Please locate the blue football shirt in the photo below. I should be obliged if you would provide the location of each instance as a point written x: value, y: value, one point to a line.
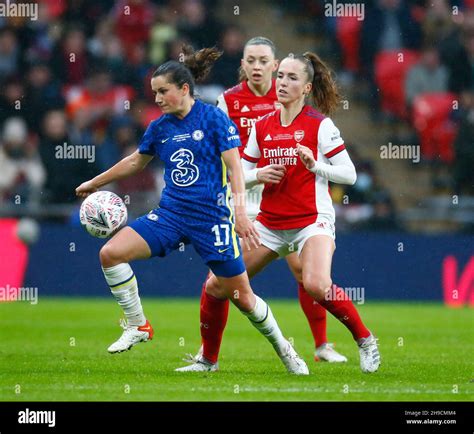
x: 195, y: 173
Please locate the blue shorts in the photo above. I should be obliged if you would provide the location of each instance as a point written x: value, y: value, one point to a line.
x: 215, y: 241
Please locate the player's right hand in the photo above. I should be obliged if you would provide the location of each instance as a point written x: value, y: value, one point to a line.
x: 271, y: 174
x: 86, y: 188
x: 247, y: 232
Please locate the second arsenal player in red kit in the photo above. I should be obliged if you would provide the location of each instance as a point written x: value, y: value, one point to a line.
x: 246, y: 103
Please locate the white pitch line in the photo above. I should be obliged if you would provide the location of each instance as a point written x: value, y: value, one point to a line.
x: 321, y: 390
x: 246, y: 389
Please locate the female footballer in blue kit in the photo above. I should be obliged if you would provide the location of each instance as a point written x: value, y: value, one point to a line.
x: 198, y: 143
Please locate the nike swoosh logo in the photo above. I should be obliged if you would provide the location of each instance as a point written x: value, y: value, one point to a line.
x: 143, y: 329
x: 163, y: 141
x: 223, y: 250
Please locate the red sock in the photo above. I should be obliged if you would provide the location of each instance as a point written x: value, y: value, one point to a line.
x: 213, y: 314
x: 344, y: 310
x: 316, y: 315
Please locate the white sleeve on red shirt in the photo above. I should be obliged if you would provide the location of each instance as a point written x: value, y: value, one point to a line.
x: 341, y: 169
x: 250, y: 159
x: 252, y: 151
x: 250, y: 173
x: 329, y: 138
x: 222, y: 104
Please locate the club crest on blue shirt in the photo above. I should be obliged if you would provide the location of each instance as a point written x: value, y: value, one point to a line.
x: 152, y: 217
x: 198, y: 135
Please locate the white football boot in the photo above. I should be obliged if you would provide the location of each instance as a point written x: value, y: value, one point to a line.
x: 131, y: 336
x: 199, y: 365
x: 327, y: 353
x: 293, y: 362
x: 189, y: 358
x: 369, y: 354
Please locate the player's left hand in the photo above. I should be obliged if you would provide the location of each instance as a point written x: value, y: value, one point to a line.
x: 246, y: 230
x: 306, y: 156
x: 86, y: 188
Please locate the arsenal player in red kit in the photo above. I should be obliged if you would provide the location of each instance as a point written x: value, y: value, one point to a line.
x: 305, y: 149
x: 246, y: 103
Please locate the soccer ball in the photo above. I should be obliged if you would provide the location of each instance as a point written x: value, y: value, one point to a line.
x: 103, y: 213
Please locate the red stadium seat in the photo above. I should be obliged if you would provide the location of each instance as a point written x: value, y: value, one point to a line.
x: 431, y: 120
x: 348, y: 35
x: 55, y: 8
x: 391, y: 68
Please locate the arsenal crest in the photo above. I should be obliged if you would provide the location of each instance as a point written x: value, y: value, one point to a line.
x: 299, y: 134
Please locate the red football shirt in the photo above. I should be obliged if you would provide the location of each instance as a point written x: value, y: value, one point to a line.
x: 301, y: 197
x: 245, y: 108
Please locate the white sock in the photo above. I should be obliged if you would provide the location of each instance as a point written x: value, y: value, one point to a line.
x: 123, y: 284
x: 263, y: 320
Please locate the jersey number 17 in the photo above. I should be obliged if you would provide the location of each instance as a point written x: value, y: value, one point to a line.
x: 217, y: 232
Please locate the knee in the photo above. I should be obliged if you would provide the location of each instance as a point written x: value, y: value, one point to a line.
x: 213, y: 288
x: 317, y: 285
x: 243, y: 299
x: 109, y: 256
x: 245, y: 302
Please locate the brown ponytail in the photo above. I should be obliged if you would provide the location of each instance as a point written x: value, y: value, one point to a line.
x: 194, y: 67
x: 325, y: 93
x: 200, y: 62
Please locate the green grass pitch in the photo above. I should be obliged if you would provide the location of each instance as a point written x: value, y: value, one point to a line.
x: 57, y: 351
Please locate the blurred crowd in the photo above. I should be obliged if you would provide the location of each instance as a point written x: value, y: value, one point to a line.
x: 414, y: 61
x: 80, y: 73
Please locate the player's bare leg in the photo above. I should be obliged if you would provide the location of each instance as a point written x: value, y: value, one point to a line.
x: 238, y: 290
x: 316, y: 316
x: 123, y: 247
x: 316, y: 259
x: 214, y: 306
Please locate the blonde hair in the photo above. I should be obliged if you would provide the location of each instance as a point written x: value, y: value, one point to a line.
x: 258, y: 40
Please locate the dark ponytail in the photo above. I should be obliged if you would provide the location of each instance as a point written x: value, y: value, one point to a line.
x: 200, y: 62
x: 194, y: 68
x: 325, y: 93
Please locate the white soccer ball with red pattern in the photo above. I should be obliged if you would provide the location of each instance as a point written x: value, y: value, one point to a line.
x: 103, y: 213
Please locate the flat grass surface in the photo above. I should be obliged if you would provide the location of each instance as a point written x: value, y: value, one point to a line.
x: 57, y: 351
